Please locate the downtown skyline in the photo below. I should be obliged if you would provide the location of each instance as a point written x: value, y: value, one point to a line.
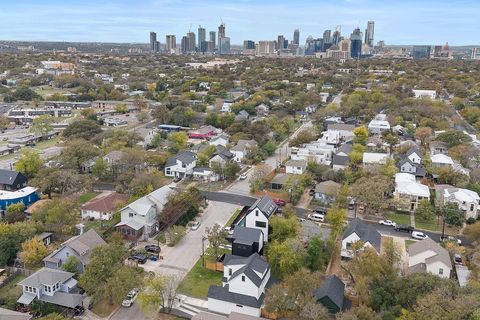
x: 406, y: 23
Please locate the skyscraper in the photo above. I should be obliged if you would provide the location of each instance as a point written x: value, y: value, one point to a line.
x: 356, y: 44
x: 184, y: 44
x: 202, y: 37
x: 336, y: 38
x: 221, y: 33
x: 421, y: 52
x: 248, y: 44
x: 224, y: 45
x: 369, y: 33
x: 296, y: 37
x: 280, y: 42
x: 213, y: 38
x: 191, y: 42
x: 327, y: 36
x: 153, y: 41
x: 170, y: 42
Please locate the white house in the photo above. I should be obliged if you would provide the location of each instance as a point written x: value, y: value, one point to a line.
x: 318, y: 151
x: 243, y: 286
x: 242, y: 149
x: 296, y: 166
x: 258, y: 215
x: 345, y: 130
x: 181, y: 164
x: 358, y: 230
x: 408, y: 192
x: 331, y: 137
x: 139, y: 218
x: 52, y: 286
x: 468, y: 201
x: 372, y: 158
x: 414, y: 155
x: 430, y: 94
x: 379, y: 124
x: 324, y: 96
x: 104, y: 207
x: 441, y: 160
x: 226, y: 106
x: 204, y: 174
x: 220, y: 140
x: 428, y: 256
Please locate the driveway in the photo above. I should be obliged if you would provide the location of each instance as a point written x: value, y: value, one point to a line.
x: 132, y: 313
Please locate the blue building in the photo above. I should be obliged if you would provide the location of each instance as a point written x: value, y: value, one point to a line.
x: 27, y: 196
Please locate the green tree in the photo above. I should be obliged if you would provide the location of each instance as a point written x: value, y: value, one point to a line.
x: 42, y: 125
x: 178, y: 141
x: 258, y: 177
x: 76, y: 153
x: 285, y: 257
x: 63, y: 181
x: 59, y: 216
x: 15, y: 212
x: 71, y: 264
x: 33, y: 251
x: 425, y: 211
x: 11, y: 238
x: 371, y: 191
x: 29, y: 163
x: 159, y: 294
x: 317, y: 255
x: 216, y: 238
x: 101, y: 169
x: 454, y: 138
x: 451, y: 215
x: 85, y: 129
x: 283, y: 228
x: 121, y: 108
x: 361, y: 135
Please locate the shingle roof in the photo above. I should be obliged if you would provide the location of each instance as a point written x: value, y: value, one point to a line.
x: 414, y: 150
x: 296, y: 163
x: 366, y: 232
x: 430, y: 245
x: 186, y: 157
x: 107, y: 203
x: 7, y: 177
x: 332, y: 288
x: 339, y: 160
x: 420, y: 171
x: 69, y: 300
x: 250, y: 265
x: 244, y: 233
x: 244, y: 144
x: 266, y: 205
x: 46, y: 276
x: 222, y: 293
x: 327, y: 187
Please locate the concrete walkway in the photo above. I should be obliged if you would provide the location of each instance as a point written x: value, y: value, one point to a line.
x: 412, y: 219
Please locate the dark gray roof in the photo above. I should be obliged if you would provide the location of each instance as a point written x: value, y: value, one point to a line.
x: 8, y: 177
x: 222, y: 293
x: 250, y: 265
x: 266, y: 205
x: 345, y: 148
x: 419, y: 171
x: 46, y: 276
x: 332, y: 288
x: 339, y: 160
x: 186, y: 157
x: 366, y: 232
x: 414, y: 150
x: 241, y: 233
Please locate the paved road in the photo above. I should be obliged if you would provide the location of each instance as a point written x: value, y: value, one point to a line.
x: 232, y: 198
x: 132, y: 313
x: 44, y: 154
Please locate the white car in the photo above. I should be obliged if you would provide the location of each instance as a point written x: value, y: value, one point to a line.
x: 229, y: 230
x: 131, y: 296
x: 317, y: 217
x: 195, y: 225
x: 387, y: 223
x: 419, y: 235
x: 243, y: 176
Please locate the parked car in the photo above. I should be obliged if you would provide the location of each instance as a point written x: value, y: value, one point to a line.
x: 229, y: 230
x: 280, y: 202
x: 419, y: 235
x: 457, y: 259
x: 404, y: 228
x: 300, y: 219
x: 153, y: 248
x: 387, y: 223
x: 317, y: 217
x: 177, y: 179
x: 78, y: 311
x: 311, y: 192
x: 131, y: 296
x: 243, y: 176
x: 195, y: 225
x: 140, y: 258
x: 319, y: 210
x: 452, y: 239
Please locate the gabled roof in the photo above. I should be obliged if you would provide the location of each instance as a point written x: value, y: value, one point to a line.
x: 327, y: 186
x: 296, y: 163
x: 414, y: 150
x: 8, y: 177
x: 428, y: 244
x: 442, y: 158
x: 419, y: 170
x: 266, y: 205
x: 46, y: 276
x: 345, y: 148
x: 251, y: 265
x: 339, y: 160
x: 332, y: 288
x: 241, y: 233
x: 107, y: 203
x: 157, y: 198
x: 223, y: 294
x: 244, y: 144
x: 186, y: 157
x: 366, y: 232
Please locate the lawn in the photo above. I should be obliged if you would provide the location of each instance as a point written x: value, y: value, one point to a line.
x: 11, y: 292
x: 431, y: 225
x: 399, y: 218
x: 233, y: 217
x: 84, y: 198
x: 103, y: 309
x: 198, y: 280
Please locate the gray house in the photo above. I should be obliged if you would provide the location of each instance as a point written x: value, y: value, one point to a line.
x: 331, y: 295
x: 408, y: 166
x: 326, y: 191
x: 79, y: 247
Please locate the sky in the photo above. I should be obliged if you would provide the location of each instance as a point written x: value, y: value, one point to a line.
x: 399, y: 22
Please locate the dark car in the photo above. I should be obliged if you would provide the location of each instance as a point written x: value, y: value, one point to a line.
x: 152, y: 248
x: 320, y: 210
x: 404, y: 228
x: 79, y: 310
x: 311, y: 192
x: 138, y: 257
x: 177, y: 179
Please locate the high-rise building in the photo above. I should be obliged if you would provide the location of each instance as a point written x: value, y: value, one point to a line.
x: 356, y: 44
x: 157, y: 46
x: 280, y: 42
x: 191, y: 42
x: 381, y: 44
x: 265, y: 47
x: 202, y: 37
x: 170, y: 43
x: 327, y: 36
x: 213, y: 37
x: 153, y: 41
x: 210, y: 46
x: 224, y: 45
x: 296, y: 37
x: 248, y: 44
x: 421, y: 52
x: 369, y: 33
x: 475, y: 55
x: 184, y: 44
x: 221, y: 33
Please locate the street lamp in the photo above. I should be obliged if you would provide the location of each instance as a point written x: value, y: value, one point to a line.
x: 203, y: 250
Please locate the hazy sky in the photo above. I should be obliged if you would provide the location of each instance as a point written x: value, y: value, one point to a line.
x: 396, y: 22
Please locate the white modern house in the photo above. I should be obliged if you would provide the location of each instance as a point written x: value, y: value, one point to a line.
x: 242, y: 149
x: 379, y: 124
x: 259, y: 214
x: 226, y: 107
x: 345, y: 130
x: 139, y: 218
x: 428, y: 256
x: 441, y: 160
x: 243, y: 286
x: 318, y: 152
x: 220, y: 140
x: 52, y: 286
x: 468, y: 201
x: 408, y: 192
x: 296, y: 166
x: 430, y: 94
x: 357, y: 230
x: 181, y: 164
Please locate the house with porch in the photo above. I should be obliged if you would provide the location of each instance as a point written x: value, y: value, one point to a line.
x: 428, y: 256
x: 468, y: 201
x: 242, y: 149
x: 356, y: 231
x: 408, y: 192
x: 181, y: 164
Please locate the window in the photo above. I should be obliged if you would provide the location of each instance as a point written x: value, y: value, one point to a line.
x: 260, y: 224
x: 239, y: 305
x: 34, y: 290
x: 256, y: 213
x: 183, y: 165
x: 130, y: 214
x: 472, y: 207
x: 229, y: 271
x: 243, y: 278
x: 440, y: 271
x: 349, y: 245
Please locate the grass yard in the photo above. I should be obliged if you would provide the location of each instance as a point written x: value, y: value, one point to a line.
x: 84, y: 198
x: 103, y: 309
x: 198, y: 280
x: 399, y: 218
x: 430, y: 225
x: 11, y: 292
x: 233, y: 217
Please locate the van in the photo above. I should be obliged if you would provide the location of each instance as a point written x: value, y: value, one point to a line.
x: 317, y: 217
